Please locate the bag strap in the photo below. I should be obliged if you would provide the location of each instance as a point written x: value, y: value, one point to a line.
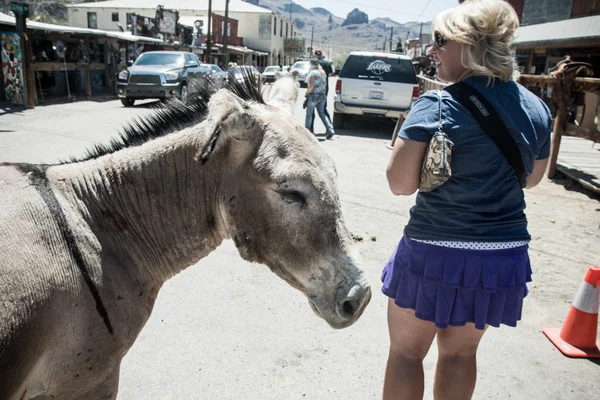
x: 440, y: 127
x: 491, y: 123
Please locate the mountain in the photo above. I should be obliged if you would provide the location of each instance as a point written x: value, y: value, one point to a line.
x: 339, y: 36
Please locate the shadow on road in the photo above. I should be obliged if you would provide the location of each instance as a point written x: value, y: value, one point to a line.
x: 368, y: 128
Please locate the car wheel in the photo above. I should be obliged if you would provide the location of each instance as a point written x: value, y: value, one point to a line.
x: 338, y: 120
x: 127, y: 102
x: 183, y: 94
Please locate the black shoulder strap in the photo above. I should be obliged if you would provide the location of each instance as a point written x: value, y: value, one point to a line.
x: 491, y: 123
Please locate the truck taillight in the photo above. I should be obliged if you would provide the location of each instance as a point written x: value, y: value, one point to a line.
x: 415, y: 94
x: 338, y: 86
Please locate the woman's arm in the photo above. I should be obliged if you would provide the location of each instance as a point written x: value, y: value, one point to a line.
x: 404, y: 168
x: 539, y: 168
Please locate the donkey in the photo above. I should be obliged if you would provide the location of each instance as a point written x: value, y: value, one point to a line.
x: 87, y: 244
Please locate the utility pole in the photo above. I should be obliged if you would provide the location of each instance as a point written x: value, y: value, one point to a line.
x: 312, y: 34
x: 384, y: 41
x: 391, y: 37
x: 421, y: 40
x: 208, y: 43
x: 225, y: 34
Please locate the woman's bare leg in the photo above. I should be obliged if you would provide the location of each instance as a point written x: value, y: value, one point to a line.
x: 456, y: 370
x: 410, y: 339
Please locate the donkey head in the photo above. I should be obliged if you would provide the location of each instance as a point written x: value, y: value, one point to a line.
x: 280, y: 204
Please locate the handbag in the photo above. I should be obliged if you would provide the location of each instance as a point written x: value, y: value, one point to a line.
x: 437, y: 163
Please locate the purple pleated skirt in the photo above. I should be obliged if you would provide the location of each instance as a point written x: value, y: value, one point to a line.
x: 451, y: 287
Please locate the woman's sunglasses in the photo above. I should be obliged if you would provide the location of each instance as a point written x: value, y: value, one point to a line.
x: 439, y: 40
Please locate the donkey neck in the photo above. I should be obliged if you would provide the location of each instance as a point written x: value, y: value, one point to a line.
x: 153, y: 205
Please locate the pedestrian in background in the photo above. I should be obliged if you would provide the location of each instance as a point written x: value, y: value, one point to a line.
x: 316, y: 97
x: 326, y: 66
x: 463, y: 262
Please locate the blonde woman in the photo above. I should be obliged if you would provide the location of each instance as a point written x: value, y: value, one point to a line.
x: 462, y: 264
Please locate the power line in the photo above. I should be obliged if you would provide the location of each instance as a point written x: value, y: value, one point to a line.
x: 425, y: 8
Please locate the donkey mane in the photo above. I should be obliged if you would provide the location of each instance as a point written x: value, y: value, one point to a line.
x: 175, y: 116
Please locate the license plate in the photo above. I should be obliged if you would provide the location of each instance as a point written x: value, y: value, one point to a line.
x: 375, y: 95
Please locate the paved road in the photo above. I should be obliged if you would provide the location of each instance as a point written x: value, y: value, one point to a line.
x: 226, y: 329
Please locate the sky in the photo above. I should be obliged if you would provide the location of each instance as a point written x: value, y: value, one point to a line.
x: 398, y: 10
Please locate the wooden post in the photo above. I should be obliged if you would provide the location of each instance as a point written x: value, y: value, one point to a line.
x: 88, y: 69
x: 565, y: 85
x: 396, y: 130
x: 30, y: 75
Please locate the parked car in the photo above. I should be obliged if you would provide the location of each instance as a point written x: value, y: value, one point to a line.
x: 216, y: 72
x: 374, y: 84
x: 159, y: 75
x: 301, y: 68
x: 239, y: 71
x: 269, y: 73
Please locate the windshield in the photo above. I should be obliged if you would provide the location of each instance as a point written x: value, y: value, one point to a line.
x: 271, y: 69
x: 379, y: 68
x: 301, y: 65
x: 216, y: 68
x: 175, y: 60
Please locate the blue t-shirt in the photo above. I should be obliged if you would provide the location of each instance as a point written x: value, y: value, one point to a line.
x: 482, y: 201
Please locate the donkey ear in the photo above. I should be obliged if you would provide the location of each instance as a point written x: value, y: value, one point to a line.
x: 225, y: 110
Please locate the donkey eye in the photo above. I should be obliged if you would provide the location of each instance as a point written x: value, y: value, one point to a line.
x: 292, y: 196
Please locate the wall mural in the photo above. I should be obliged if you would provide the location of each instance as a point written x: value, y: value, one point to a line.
x: 12, y: 66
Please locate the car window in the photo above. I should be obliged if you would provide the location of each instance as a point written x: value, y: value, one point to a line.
x: 269, y: 69
x: 301, y: 65
x: 160, y: 59
x: 216, y: 68
x: 379, y: 68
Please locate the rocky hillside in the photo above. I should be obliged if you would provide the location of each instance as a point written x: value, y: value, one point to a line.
x: 338, y: 36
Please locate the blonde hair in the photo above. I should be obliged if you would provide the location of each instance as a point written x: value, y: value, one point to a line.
x: 485, y: 29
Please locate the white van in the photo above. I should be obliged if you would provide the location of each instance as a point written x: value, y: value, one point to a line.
x: 374, y: 84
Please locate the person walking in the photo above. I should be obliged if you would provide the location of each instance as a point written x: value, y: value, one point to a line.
x: 462, y: 264
x: 326, y: 65
x: 316, y: 97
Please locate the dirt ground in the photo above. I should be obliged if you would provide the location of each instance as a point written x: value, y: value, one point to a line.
x: 226, y: 329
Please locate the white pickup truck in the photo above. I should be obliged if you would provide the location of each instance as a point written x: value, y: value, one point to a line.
x: 374, y: 84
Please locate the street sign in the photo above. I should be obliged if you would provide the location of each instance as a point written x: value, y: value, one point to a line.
x: 19, y: 8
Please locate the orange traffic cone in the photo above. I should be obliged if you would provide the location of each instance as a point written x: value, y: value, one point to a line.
x: 577, y: 338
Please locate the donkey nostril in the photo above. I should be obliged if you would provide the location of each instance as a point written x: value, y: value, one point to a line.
x: 349, y: 308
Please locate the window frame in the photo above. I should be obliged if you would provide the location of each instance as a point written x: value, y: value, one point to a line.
x: 95, y: 15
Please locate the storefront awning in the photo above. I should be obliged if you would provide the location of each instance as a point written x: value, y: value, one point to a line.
x: 574, y: 30
x: 9, y: 20
x: 242, y: 49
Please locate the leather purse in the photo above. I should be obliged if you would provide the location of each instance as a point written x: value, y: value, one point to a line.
x: 437, y: 163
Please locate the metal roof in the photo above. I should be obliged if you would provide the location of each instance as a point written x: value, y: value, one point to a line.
x: 196, y: 5
x: 9, y: 20
x: 560, y: 31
